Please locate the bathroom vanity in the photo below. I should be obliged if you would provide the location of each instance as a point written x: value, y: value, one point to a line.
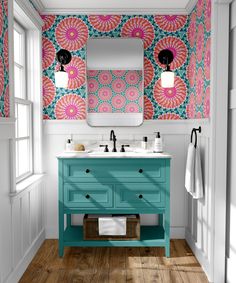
x: 114, y: 183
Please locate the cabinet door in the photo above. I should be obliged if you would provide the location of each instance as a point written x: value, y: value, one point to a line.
x: 85, y: 195
x: 146, y: 195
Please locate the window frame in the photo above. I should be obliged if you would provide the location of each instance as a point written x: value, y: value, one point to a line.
x: 24, y: 100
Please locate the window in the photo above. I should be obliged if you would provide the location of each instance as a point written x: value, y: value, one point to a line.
x: 23, y: 106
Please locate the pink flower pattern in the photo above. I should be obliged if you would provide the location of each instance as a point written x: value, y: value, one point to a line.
x: 49, y: 53
x: 139, y: 27
x: 191, y: 70
x: 132, y: 107
x: 170, y: 23
x: 92, y: 101
x: 169, y: 116
x: 105, y: 107
x: 48, y: 21
x: 76, y: 72
x: 49, y: 91
x: 105, y: 93
x: 170, y: 97
x: 192, y: 30
x: 105, y: 78
x: 132, y: 77
x: 70, y: 106
x: 206, y: 106
x: 118, y: 101
x: 72, y: 34
x: 200, y: 7
x: 7, y: 102
x: 148, y: 72
x: 105, y: 23
x: 132, y: 93
x: 118, y: 85
x: 208, y: 15
x: 148, y: 109
x: 5, y: 49
x: 199, y: 86
x: 2, y: 80
x: 207, y: 59
x: 92, y: 85
x: 191, y: 107
x: 178, y: 48
x: 1, y: 20
x: 200, y: 42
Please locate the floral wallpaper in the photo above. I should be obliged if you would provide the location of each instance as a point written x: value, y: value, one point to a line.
x: 4, y: 64
x: 198, y: 70
x: 115, y: 91
x: 177, y: 33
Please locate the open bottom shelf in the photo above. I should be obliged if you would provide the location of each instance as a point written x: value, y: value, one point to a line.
x: 153, y: 236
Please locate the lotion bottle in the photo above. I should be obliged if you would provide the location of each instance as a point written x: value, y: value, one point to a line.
x: 158, y: 144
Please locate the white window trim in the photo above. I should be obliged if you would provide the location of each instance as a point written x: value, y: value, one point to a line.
x: 32, y: 22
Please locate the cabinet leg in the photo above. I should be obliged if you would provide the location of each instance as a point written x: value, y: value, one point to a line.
x: 68, y: 219
x: 61, y: 249
x: 167, y: 250
x: 160, y: 219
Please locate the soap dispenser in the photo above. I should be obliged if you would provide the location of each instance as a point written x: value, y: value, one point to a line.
x: 158, y: 145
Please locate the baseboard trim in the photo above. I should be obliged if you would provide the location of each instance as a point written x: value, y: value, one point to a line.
x: 231, y: 271
x: 25, y: 261
x: 199, y: 255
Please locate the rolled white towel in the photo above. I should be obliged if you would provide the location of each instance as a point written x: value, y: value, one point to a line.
x: 190, y: 166
x: 112, y: 226
x: 198, y: 184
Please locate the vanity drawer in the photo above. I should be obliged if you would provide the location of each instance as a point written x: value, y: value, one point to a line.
x: 132, y: 195
x: 81, y: 195
x: 115, y: 169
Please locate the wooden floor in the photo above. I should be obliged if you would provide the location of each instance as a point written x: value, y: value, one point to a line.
x: 114, y: 265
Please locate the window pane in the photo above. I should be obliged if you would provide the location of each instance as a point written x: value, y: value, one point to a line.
x: 24, y: 158
x: 23, y: 120
x: 16, y: 115
x: 18, y: 84
x: 17, y: 161
x: 18, y: 38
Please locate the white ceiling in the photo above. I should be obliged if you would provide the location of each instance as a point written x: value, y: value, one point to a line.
x: 115, y: 6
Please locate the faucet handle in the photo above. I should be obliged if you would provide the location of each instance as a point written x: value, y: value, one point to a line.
x: 123, y: 147
x: 106, y: 147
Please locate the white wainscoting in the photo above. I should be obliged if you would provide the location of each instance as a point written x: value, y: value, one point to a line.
x: 231, y: 198
x: 21, y: 217
x: 176, y: 135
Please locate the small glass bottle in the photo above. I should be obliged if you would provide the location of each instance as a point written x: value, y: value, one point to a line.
x: 144, y: 143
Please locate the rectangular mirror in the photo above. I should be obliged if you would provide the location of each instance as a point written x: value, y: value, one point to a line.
x: 115, y: 82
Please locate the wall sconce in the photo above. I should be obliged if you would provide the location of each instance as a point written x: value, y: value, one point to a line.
x: 61, y: 77
x: 167, y: 77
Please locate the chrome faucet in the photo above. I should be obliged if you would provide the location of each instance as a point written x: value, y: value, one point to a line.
x: 113, y: 138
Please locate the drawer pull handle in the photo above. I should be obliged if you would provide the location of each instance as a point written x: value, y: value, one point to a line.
x: 140, y: 170
x: 140, y: 196
x: 87, y: 170
x: 87, y: 196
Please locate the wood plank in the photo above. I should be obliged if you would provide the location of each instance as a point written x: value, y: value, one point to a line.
x: 133, y: 265
x: 114, y: 265
x: 149, y: 265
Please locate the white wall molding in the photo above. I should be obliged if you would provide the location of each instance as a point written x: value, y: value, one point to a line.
x: 198, y: 253
x: 78, y: 127
x: 190, y: 6
x: 38, y: 5
x: 25, y: 261
x: 232, y: 99
x: 115, y: 11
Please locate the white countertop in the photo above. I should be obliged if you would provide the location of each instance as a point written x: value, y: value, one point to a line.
x: 128, y: 154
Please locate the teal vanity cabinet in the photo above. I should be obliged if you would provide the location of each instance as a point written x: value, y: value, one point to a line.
x: 114, y: 186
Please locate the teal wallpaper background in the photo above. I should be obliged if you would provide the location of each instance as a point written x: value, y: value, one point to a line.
x: 4, y: 64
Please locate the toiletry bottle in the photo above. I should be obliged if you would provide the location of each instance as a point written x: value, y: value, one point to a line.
x: 69, y: 145
x: 144, y: 143
x: 158, y: 145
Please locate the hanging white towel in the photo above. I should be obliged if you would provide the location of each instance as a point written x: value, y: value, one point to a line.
x: 190, y: 166
x: 198, y: 184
